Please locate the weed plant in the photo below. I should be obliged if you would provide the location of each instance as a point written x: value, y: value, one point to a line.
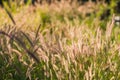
x: 58, y: 42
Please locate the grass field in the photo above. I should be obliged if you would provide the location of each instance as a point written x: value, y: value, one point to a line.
x: 60, y: 41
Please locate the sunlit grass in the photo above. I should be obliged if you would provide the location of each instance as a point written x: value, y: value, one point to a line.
x: 53, y: 42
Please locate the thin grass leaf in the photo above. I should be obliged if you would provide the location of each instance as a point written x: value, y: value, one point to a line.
x: 18, y: 70
x: 22, y: 44
x: 24, y: 47
x: 36, y: 49
x: 36, y: 35
x: 11, y: 17
x: 29, y: 40
x: 37, y: 31
x: 3, y: 33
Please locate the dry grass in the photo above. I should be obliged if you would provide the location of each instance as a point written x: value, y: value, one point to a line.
x: 65, y: 46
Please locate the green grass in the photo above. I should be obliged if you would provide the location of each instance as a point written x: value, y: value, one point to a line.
x: 51, y: 42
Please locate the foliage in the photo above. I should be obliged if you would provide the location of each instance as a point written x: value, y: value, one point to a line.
x: 70, y: 43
